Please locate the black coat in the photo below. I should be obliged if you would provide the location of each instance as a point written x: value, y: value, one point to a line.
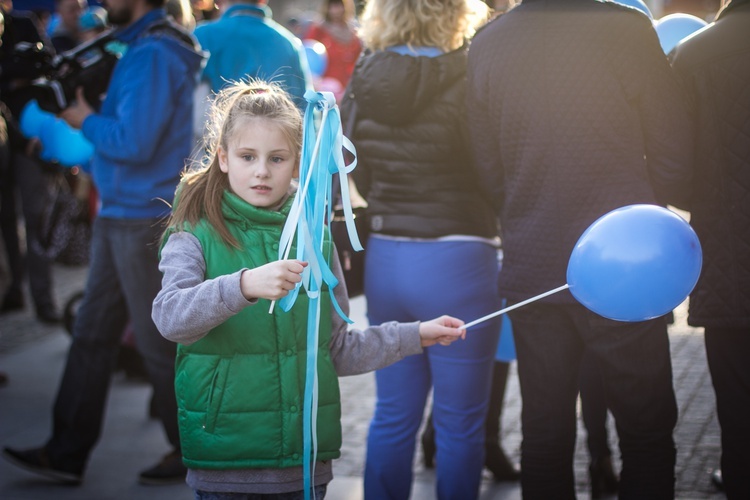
x: 715, y: 66
x: 407, y: 120
x: 574, y: 111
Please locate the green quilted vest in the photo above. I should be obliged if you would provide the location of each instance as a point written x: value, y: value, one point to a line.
x: 240, y: 389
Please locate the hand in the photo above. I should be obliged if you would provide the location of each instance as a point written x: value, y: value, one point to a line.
x: 33, y: 147
x: 443, y: 330
x: 272, y: 281
x: 77, y: 112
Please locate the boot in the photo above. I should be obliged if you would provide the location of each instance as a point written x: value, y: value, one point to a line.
x: 603, y: 478
x: 494, y: 457
x: 428, y: 444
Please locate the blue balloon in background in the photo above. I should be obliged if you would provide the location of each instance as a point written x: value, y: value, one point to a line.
x: 636, y: 4
x: 33, y: 119
x: 64, y: 144
x: 72, y: 147
x: 673, y: 28
x: 635, y: 263
x: 317, y: 57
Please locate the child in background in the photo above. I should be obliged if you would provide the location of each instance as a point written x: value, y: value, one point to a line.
x: 240, y: 371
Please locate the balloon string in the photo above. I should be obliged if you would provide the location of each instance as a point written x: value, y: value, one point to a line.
x: 516, y: 306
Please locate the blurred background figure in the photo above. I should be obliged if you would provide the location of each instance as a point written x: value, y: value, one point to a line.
x: 337, y: 32
x: 715, y: 67
x: 24, y: 52
x: 182, y: 12
x: 66, y: 33
x: 92, y: 23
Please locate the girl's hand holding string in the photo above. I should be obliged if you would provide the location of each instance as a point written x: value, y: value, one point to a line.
x: 272, y: 281
x: 443, y: 330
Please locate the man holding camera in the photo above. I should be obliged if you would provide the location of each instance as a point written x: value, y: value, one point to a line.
x: 141, y: 138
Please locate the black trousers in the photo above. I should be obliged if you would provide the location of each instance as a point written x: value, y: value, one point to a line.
x: 728, y: 353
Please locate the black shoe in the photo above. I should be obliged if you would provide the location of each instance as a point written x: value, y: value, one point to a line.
x: 497, y: 462
x: 13, y: 301
x: 37, y: 461
x: 717, y: 479
x: 48, y: 314
x: 169, y: 471
x: 603, y: 478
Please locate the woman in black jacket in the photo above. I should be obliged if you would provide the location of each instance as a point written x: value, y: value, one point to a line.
x: 433, y: 236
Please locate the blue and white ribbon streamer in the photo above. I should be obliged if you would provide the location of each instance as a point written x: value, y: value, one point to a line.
x: 322, y: 156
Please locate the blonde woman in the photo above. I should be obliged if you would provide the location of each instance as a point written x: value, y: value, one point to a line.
x: 432, y: 242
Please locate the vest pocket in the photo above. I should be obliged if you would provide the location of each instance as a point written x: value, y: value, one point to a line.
x: 216, y: 394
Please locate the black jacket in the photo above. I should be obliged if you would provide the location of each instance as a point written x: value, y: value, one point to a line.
x: 715, y: 65
x: 574, y: 111
x: 407, y: 120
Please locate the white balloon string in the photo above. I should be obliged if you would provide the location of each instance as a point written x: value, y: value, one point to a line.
x: 516, y: 306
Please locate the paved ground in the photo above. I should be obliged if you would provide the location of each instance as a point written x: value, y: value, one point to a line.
x: 33, y: 356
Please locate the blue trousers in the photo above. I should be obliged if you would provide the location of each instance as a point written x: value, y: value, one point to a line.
x: 636, y: 372
x: 408, y: 281
x: 123, y: 281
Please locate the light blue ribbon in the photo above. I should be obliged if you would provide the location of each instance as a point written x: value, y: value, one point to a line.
x: 322, y: 156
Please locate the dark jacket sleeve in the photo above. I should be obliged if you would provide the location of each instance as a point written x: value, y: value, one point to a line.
x: 667, y: 125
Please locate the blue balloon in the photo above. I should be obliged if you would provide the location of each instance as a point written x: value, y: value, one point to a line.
x: 674, y: 28
x: 72, y: 147
x: 317, y: 57
x: 636, y: 4
x: 635, y: 263
x: 33, y: 119
x: 65, y: 145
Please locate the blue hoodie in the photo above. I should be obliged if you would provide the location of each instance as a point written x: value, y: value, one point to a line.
x: 246, y: 42
x: 143, y: 133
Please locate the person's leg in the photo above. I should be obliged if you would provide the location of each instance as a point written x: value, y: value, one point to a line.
x: 12, y: 299
x: 33, y: 185
x: 728, y: 352
x: 461, y: 372
x: 399, y: 405
x: 137, y: 264
x: 594, y: 411
x: 549, y: 351
x: 495, y: 458
x: 98, y: 327
x: 637, y: 375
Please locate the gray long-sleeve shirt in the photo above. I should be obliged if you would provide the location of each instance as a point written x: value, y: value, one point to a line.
x: 189, y: 306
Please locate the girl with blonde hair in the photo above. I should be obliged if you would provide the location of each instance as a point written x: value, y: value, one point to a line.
x: 240, y: 371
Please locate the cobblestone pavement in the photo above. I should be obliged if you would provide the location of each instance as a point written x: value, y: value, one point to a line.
x: 697, y: 432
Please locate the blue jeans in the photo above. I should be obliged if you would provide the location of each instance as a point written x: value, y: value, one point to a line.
x: 123, y: 281
x: 636, y: 373
x: 320, y: 493
x: 409, y: 281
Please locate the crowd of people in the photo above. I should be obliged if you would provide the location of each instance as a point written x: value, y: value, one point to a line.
x: 481, y: 130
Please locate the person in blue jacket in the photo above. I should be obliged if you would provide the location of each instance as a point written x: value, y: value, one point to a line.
x: 141, y: 138
x: 246, y: 42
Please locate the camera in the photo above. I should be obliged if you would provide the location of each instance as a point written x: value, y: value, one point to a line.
x: 88, y: 65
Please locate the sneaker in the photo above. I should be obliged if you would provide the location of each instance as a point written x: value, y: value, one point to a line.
x: 169, y: 471
x: 37, y: 461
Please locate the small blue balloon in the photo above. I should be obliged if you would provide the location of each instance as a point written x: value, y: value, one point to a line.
x: 317, y: 57
x: 64, y: 144
x: 33, y: 119
x: 72, y: 147
x: 635, y: 263
x: 636, y: 4
x: 674, y: 28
